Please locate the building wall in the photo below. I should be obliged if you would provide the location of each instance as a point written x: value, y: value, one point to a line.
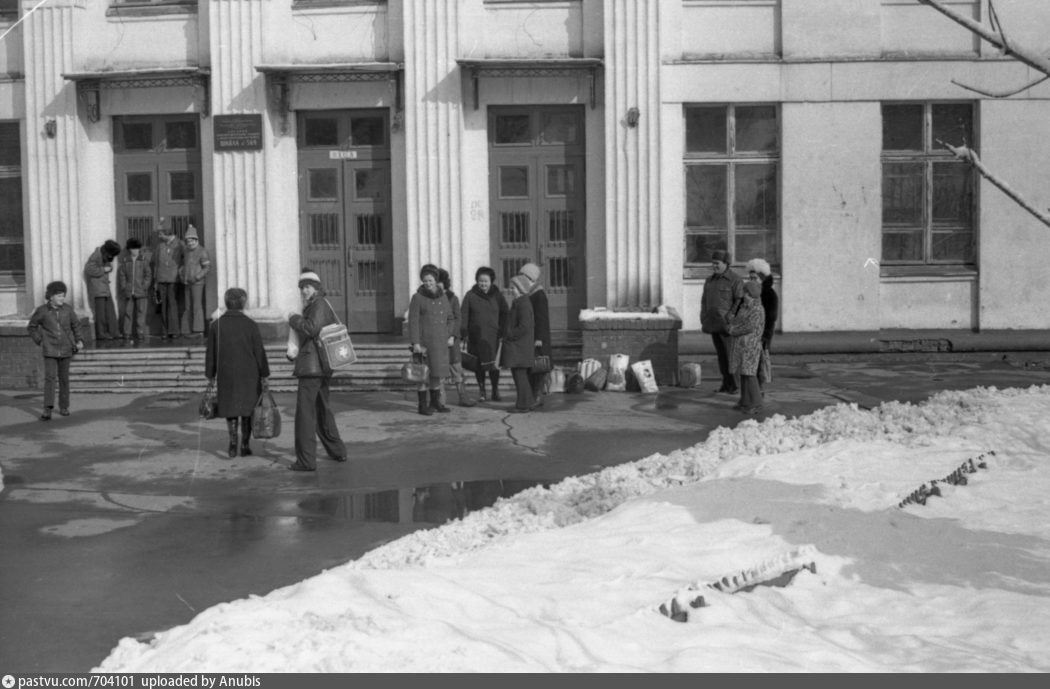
x: 827, y: 64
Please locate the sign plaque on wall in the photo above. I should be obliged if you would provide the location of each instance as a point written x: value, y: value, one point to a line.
x: 238, y: 132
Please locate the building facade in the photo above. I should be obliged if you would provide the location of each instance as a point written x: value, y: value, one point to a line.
x: 616, y: 143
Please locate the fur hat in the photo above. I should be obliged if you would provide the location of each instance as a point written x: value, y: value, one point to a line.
x: 531, y: 271
x: 133, y: 243
x: 53, y: 288
x: 110, y: 250
x: 753, y: 288
x: 430, y: 269
x: 721, y: 255
x: 191, y: 233
x: 309, y: 277
x: 521, y: 283
x: 759, y: 266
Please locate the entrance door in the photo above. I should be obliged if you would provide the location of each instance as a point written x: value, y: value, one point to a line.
x: 537, y: 202
x: 344, y: 201
x: 157, y: 165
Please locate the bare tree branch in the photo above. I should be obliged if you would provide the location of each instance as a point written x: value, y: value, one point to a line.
x: 996, y: 38
x: 968, y: 155
x: 1000, y: 94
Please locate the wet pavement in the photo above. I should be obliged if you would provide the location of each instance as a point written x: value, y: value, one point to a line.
x: 127, y: 518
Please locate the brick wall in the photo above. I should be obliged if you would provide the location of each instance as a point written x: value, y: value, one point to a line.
x: 21, y: 364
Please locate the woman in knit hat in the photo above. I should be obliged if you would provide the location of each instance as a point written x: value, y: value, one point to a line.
x: 430, y: 330
x: 313, y: 412
x: 744, y: 326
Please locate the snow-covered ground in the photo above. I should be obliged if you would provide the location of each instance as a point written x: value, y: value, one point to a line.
x: 572, y: 578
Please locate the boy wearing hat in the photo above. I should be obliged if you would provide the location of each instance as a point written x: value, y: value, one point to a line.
x: 133, y: 285
x: 56, y: 328
x: 96, y: 274
x: 722, y: 293
x: 194, y: 270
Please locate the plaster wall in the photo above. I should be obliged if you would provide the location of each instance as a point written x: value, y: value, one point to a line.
x: 350, y: 33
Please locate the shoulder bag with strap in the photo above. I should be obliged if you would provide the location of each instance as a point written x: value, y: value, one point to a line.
x: 334, y: 346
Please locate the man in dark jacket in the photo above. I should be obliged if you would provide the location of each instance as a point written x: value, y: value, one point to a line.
x: 55, y: 327
x: 722, y: 292
x: 167, y: 259
x: 313, y: 412
x: 96, y: 274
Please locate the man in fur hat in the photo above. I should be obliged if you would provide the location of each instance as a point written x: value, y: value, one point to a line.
x: 194, y: 273
x: 722, y: 293
x: 96, y: 274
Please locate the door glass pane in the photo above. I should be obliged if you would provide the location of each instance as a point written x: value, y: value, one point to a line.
x: 561, y: 226
x: 320, y: 131
x: 706, y: 195
x: 902, y: 194
x: 559, y: 128
x: 756, y: 128
x: 324, y: 231
x: 512, y: 129
x: 369, y: 230
x: 755, y: 201
x: 561, y: 273
x: 139, y: 187
x: 137, y: 136
x: 180, y: 135
x: 324, y: 183
x: 561, y: 180
x: 514, y: 228
x: 700, y: 245
x: 952, y: 194
x: 901, y: 246
x: 181, y: 186
x: 367, y: 131
x: 902, y: 128
x: 705, y: 130
x: 952, y: 124
x: 368, y: 184
x: 514, y: 182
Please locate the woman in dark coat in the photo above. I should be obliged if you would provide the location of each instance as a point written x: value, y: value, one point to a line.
x: 541, y: 314
x: 430, y: 320
x: 482, y: 318
x: 519, y: 339
x: 236, y: 360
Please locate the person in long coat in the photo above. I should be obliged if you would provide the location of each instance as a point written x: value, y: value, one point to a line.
x: 55, y: 327
x: 236, y: 362
x: 758, y: 269
x: 720, y: 297
x: 744, y: 325
x: 542, y: 328
x: 430, y: 322
x: 519, y: 341
x: 313, y: 412
x: 482, y: 318
x: 97, y: 272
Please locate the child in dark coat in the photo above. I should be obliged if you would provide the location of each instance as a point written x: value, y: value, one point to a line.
x: 56, y: 328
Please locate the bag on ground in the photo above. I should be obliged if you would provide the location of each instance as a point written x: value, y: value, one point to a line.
x: 587, y: 367
x: 643, y: 371
x: 416, y: 370
x: 556, y: 380
x: 209, y: 405
x: 617, y: 377
x: 337, y: 352
x: 596, y: 381
x: 574, y: 384
x: 266, y: 418
x: 689, y: 375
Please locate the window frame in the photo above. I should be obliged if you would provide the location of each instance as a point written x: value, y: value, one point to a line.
x: 730, y: 160
x: 143, y: 8
x: 13, y: 278
x: 931, y: 156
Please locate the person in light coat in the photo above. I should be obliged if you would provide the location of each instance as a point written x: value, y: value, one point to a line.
x: 744, y: 325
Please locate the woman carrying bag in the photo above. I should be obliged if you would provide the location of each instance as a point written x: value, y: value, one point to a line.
x: 483, y: 316
x: 430, y: 321
x: 236, y: 362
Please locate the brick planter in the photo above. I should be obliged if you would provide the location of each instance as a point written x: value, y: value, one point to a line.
x: 21, y: 364
x: 649, y: 336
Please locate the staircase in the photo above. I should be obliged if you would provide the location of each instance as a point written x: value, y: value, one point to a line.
x: 181, y: 368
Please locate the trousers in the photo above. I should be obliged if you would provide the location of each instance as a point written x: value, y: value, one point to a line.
x: 314, y: 419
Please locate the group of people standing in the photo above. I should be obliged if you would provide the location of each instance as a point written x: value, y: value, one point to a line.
x: 495, y: 334
x: 174, y: 274
x: 740, y: 315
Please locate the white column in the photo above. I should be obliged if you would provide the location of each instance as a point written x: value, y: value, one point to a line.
x: 432, y: 135
x: 56, y: 249
x: 632, y: 71
x: 243, y: 255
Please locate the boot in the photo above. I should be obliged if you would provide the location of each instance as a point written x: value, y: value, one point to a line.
x: 464, y: 401
x: 435, y: 401
x: 231, y: 427
x: 246, y: 433
x: 495, y: 388
x: 424, y: 407
x: 481, y: 391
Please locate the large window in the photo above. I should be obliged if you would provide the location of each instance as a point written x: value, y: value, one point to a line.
x: 732, y: 164
x: 12, y: 238
x: 928, y: 204
x: 8, y: 10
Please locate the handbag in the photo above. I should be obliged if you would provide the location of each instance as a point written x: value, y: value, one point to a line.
x: 541, y: 364
x: 765, y: 367
x: 209, y: 404
x: 334, y: 346
x: 416, y: 370
x: 470, y: 362
x: 266, y: 418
